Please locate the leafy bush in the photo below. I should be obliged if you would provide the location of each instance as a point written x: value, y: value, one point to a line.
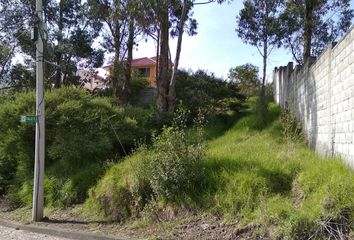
x: 82, y: 133
x: 247, y: 78
x: 174, y: 165
x: 168, y: 170
x: 203, y: 91
x: 138, y: 84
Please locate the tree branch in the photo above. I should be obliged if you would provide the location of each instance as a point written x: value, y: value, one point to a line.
x: 202, y: 3
x: 260, y: 52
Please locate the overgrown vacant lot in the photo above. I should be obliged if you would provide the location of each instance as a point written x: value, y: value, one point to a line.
x: 251, y: 183
x: 260, y: 176
x: 252, y: 176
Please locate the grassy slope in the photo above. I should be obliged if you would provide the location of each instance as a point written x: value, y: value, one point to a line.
x: 258, y: 175
x: 254, y: 175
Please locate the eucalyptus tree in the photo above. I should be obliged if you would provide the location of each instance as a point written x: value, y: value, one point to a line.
x: 5, y: 57
x: 118, y: 34
x: 310, y: 25
x: 12, y: 23
x: 258, y: 24
x: 169, y: 18
x: 70, y: 36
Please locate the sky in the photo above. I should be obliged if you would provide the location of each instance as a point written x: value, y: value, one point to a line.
x: 216, y: 47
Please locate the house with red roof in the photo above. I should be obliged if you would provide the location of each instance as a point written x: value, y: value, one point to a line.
x: 143, y: 68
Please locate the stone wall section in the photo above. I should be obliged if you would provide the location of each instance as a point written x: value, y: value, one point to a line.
x: 321, y: 93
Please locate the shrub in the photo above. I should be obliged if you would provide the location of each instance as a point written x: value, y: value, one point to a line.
x: 82, y: 133
x: 168, y: 171
x: 291, y: 127
x: 174, y: 164
x: 138, y: 84
x: 202, y: 91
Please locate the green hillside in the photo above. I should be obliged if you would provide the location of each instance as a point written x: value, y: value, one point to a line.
x: 251, y: 174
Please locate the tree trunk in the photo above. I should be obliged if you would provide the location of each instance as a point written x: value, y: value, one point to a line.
x: 117, y: 69
x: 308, y: 30
x: 157, y: 53
x: 128, y: 65
x: 172, y: 88
x: 265, y: 56
x: 58, y: 54
x: 163, y: 78
x: 265, y: 52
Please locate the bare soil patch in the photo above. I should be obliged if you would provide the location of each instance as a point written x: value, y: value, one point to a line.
x: 187, y: 227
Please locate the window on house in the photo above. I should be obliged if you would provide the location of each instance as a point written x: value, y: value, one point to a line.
x: 142, y: 72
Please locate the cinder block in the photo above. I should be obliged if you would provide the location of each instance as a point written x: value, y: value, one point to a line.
x: 349, y: 138
x: 323, y: 97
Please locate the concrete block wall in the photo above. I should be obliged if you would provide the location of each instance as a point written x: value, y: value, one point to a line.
x: 321, y: 93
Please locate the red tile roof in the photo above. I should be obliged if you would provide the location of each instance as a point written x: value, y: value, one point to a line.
x: 138, y: 62
x: 145, y: 61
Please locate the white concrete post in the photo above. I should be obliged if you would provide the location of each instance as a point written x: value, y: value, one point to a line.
x: 38, y: 199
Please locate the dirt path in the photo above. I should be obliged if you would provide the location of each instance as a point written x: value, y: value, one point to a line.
x: 14, y: 234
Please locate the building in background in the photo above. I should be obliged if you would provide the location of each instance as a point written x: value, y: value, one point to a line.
x: 141, y: 68
x: 92, y: 80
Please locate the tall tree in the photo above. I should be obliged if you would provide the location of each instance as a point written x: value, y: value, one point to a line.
x: 246, y: 78
x: 258, y: 24
x: 169, y: 17
x: 70, y: 35
x: 119, y: 34
x: 5, y: 57
x: 180, y: 29
x: 310, y: 25
x: 12, y: 24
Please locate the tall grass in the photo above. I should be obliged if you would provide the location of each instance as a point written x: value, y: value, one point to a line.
x: 253, y: 174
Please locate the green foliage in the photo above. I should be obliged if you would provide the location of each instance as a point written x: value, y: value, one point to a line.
x: 242, y: 194
x: 62, y: 192
x: 258, y: 23
x: 5, y: 57
x: 247, y: 79
x: 70, y: 35
x: 114, y: 193
x: 136, y: 87
x: 309, y: 30
x: 201, y: 91
x: 173, y: 165
x: 291, y: 127
x: 138, y: 84
x: 320, y: 205
x: 168, y: 171
x: 22, y: 78
x: 82, y: 133
x: 250, y: 173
